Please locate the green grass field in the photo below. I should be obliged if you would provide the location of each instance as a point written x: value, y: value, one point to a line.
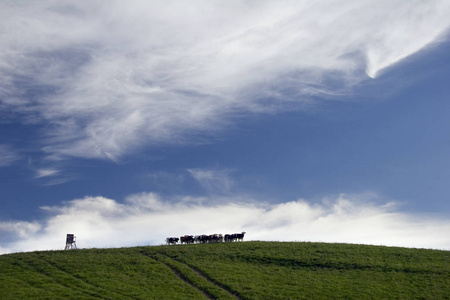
x: 245, y: 270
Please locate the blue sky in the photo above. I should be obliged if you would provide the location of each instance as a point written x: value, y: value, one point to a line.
x: 285, y: 119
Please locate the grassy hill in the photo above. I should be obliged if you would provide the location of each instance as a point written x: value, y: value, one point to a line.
x: 246, y: 270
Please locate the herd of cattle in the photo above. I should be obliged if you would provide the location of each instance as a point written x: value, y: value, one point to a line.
x: 202, y: 239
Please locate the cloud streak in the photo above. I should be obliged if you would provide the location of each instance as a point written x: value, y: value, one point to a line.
x: 213, y: 180
x: 7, y: 155
x: 146, y: 219
x: 40, y: 173
x: 113, y: 78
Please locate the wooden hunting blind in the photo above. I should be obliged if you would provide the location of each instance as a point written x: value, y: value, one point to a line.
x: 70, y: 242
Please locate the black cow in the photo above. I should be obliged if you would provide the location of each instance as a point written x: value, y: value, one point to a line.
x: 234, y: 237
x: 240, y: 236
x: 203, y: 239
x: 172, y: 240
x: 217, y: 238
x: 187, y: 239
x: 228, y: 238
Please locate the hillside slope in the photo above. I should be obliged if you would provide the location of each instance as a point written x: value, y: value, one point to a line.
x: 247, y: 270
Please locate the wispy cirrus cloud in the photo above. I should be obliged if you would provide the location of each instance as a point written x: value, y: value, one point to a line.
x: 40, y: 173
x: 111, y: 78
x: 7, y: 155
x: 49, y: 173
x: 103, y: 222
x: 213, y: 180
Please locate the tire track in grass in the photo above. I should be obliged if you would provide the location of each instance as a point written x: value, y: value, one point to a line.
x: 179, y: 274
x: 96, y: 288
x: 230, y: 292
x: 32, y: 266
x: 190, y: 277
x: 185, y: 278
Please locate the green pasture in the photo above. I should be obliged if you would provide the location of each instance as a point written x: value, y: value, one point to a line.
x: 239, y: 270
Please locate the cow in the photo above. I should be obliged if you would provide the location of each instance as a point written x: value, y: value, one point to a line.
x: 217, y: 238
x: 234, y: 237
x: 187, y: 239
x: 228, y: 238
x: 203, y: 239
x: 172, y: 240
x: 240, y: 236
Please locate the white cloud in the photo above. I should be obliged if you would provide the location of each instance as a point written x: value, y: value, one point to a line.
x: 113, y: 77
x: 45, y: 172
x: 21, y: 229
x: 50, y: 175
x: 213, y: 180
x: 7, y: 155
x: 146, y: 219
